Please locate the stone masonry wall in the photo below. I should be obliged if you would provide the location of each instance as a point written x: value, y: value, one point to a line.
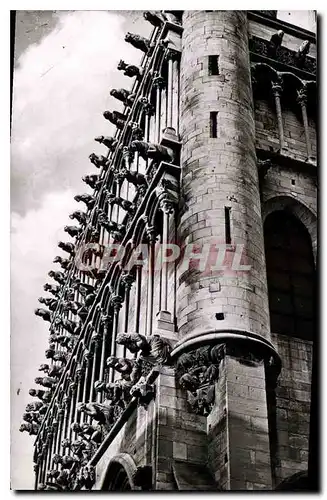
x: 219, y: 172
x: 293, y: 396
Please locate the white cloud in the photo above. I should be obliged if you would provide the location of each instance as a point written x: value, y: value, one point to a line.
x: 55, y: 118
x: 33, y: 246
x: 61, y: 88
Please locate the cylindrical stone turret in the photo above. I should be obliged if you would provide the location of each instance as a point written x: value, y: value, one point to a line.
x: 220, y: 179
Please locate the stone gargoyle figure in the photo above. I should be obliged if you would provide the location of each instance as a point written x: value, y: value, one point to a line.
x: 123, y: 95
x: 63, y: 340
x: 87, y: 199
x: 57, y: 276
x: 66, y: 461
x: 68, y: 324
x: 54, y: 289
x: 154, y: 348
x: 152, y: 151
x: 64, y: 263
x: 71, y: 305
x: 92, y: 180
x: 36, y: 406
x: 275, y: 42
x: 128, y: 368
x: 109, y: 142
x: 129, y: 69
x: 33, y: 416
x: 302, y: 53
x: 115, y: 118
x: 121, y: 202
x: 43, y: 313
x: 80, y: 216
x: 155, y: 17
x: 48, y: 382
x: 133, y: 177
x: 56, y: 355
x: 67, y: 247
x: 31, y: 428
x: 117, y: 393
x: 73, y: 231
x: 88, y: 431
x: 86, y: 477
x: 99, y: 412
x: 44, y: 396
x: 138, y: 41
x: 49, y: 302
x: 99, y: 161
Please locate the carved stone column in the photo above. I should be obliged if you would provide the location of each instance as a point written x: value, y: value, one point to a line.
x: 138, y: 287
x: 302, y: 99
x: 172, y: 101
x: 95, y: 343
x: 158, y: 83
x: 151, y: 234
x: 106, y: 321
x: 277, y: 89
x: 87, y: 358
x: 167, y: 209
x: 116, y: 303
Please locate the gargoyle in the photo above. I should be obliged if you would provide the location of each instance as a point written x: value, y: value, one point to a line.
x: 56, y: 355
x: 302, y: 53
x: 124, y: 366
x: 117, y: 200
x: 87, y: 199
x: 109, y: 142
x: 67, y: 247
x: 55, y: 371
x: 92, y: 180
x: 275, y: 42
x: 88, y: 431
x: 154, y: 17
x: 153, y: 348
x: 63, y: 340
x: 173, y: 16
x: 152, y: 151
x: 123, y: 95
x: 44, y: 368
x: 108, y: 224
x: 65, y: 263
x: 44, y: 396
x: 99, y: 412
x: 33, y: 416
x: 68, y: 324
x: 48, y: 382
x: 84, y: 288
x: 72, y: 230
x: 99, y: 161
x: 50, y: 303
x: 80, y: 216
x: 44, y: 314
x: 31, y: 428
x: 36, y: 406
x: 71, y: 305
x: 58, y: 276
x: 86, y: 477
x: 143, y: 391
x: 139, y: 42
x: 66, y: 461
x: 54, y: 289
x: 134, y: 177
x: 117, y: 393
x: 129, y: 69
x: 115, y: 118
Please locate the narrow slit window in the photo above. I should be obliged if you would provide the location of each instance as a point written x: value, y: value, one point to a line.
x: 213, y: 124
x: 227, y: 226
x: 213, y: 65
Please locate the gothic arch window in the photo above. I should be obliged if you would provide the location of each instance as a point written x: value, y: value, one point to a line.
x: 290, y: 275
x: 118, y: 480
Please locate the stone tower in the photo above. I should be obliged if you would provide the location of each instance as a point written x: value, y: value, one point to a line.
x: 184, y: 361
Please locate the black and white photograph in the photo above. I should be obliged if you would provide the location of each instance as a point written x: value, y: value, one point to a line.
x: 164, y: 250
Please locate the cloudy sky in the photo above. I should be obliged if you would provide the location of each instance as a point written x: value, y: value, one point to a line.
x: 65, y: 67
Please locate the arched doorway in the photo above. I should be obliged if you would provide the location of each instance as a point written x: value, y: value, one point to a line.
x: 120, y: 474
x: 291, y: 276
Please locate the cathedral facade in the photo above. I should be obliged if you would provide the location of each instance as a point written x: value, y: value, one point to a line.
x: 182, y: 314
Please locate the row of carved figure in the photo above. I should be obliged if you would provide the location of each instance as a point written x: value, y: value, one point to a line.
x: 151, y: 352
x: 133, y: 381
